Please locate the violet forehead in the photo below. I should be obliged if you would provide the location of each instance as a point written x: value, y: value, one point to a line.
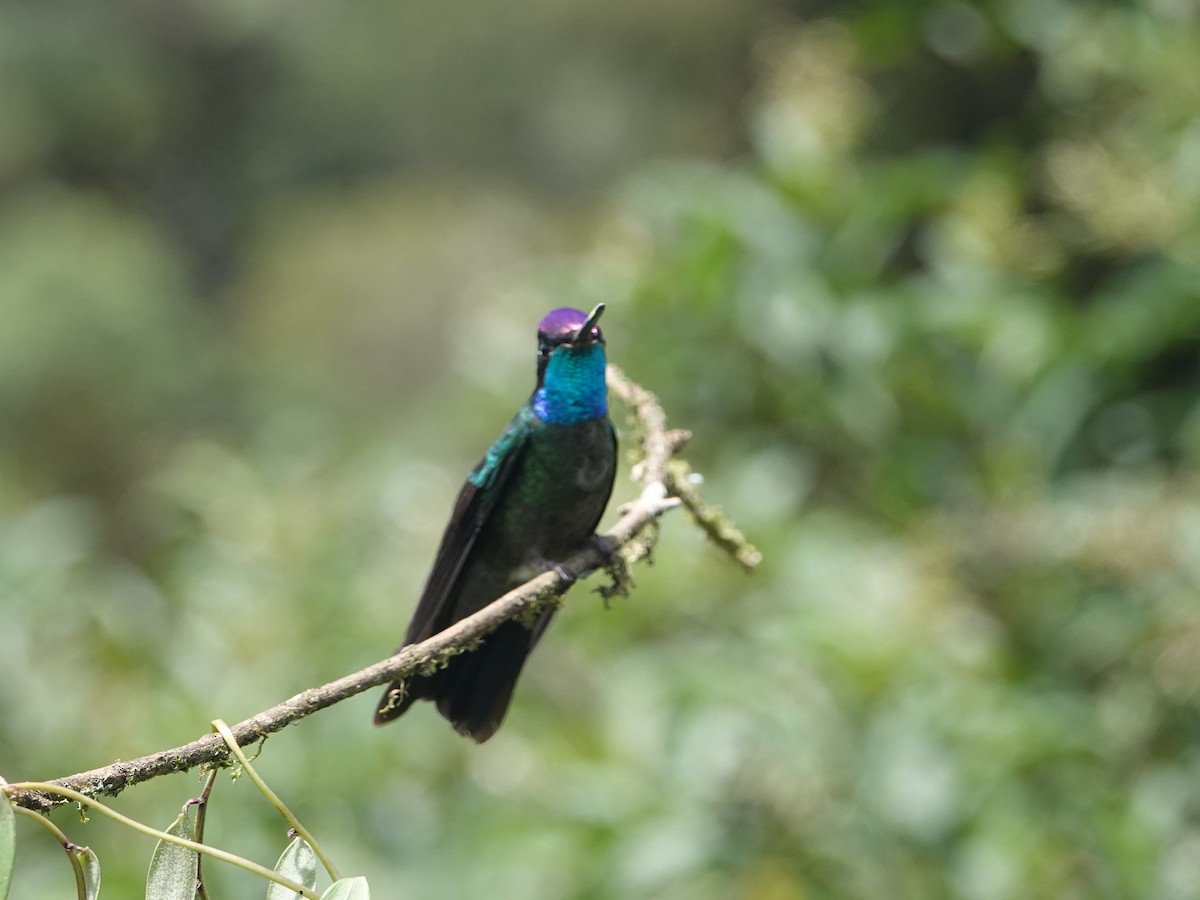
x: 561, y: 323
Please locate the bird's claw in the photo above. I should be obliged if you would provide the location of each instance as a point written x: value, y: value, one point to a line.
x: 611, y: 562
x: 565, y: 572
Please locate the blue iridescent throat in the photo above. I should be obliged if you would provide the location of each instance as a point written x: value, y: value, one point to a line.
x: 573, y: 388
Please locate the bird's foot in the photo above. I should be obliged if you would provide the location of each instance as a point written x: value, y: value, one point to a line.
x: 565, y: 572
x: 603, y: 546
x: 611, y: 561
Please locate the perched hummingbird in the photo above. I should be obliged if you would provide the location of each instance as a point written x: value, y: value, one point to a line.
x: 532, y: 501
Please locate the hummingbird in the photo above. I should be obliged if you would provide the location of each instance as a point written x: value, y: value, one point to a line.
x: 533, y: 500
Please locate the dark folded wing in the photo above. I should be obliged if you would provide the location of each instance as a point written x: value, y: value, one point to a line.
x: 475, y: 503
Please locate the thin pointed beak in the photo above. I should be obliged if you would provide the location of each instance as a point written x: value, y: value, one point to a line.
x: 585, y: 330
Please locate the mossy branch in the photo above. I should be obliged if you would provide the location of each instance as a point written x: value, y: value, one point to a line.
x: 663, y: 488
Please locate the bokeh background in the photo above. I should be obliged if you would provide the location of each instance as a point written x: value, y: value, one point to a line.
x: 923, y: 277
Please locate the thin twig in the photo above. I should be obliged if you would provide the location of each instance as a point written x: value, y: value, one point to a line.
x: 658, y: 444
x: 53, y: 789
x: 73, y: 850
x: 712, y: 519
x: 660, y: 467
x: 201, y: 804
x: 275, y: 800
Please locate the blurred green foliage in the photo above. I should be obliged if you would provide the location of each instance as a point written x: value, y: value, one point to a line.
x: 924, y: 279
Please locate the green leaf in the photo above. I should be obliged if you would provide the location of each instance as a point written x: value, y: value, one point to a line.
x: 8, y: 841
x: 91, y: 871
x: 348, y: 889
x: 299, y: 863
x: 173, y: 869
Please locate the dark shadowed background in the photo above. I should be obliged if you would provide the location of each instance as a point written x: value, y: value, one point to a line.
x: 924, y: 279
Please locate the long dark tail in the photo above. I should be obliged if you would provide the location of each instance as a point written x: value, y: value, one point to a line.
x: 475, y: 689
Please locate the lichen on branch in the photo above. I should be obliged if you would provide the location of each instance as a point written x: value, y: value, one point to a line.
x: 664, y: 487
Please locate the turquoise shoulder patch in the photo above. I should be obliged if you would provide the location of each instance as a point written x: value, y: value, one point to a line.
x: 484, y: 475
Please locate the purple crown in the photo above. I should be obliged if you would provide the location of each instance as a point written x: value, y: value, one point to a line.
x: 563, y: 324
